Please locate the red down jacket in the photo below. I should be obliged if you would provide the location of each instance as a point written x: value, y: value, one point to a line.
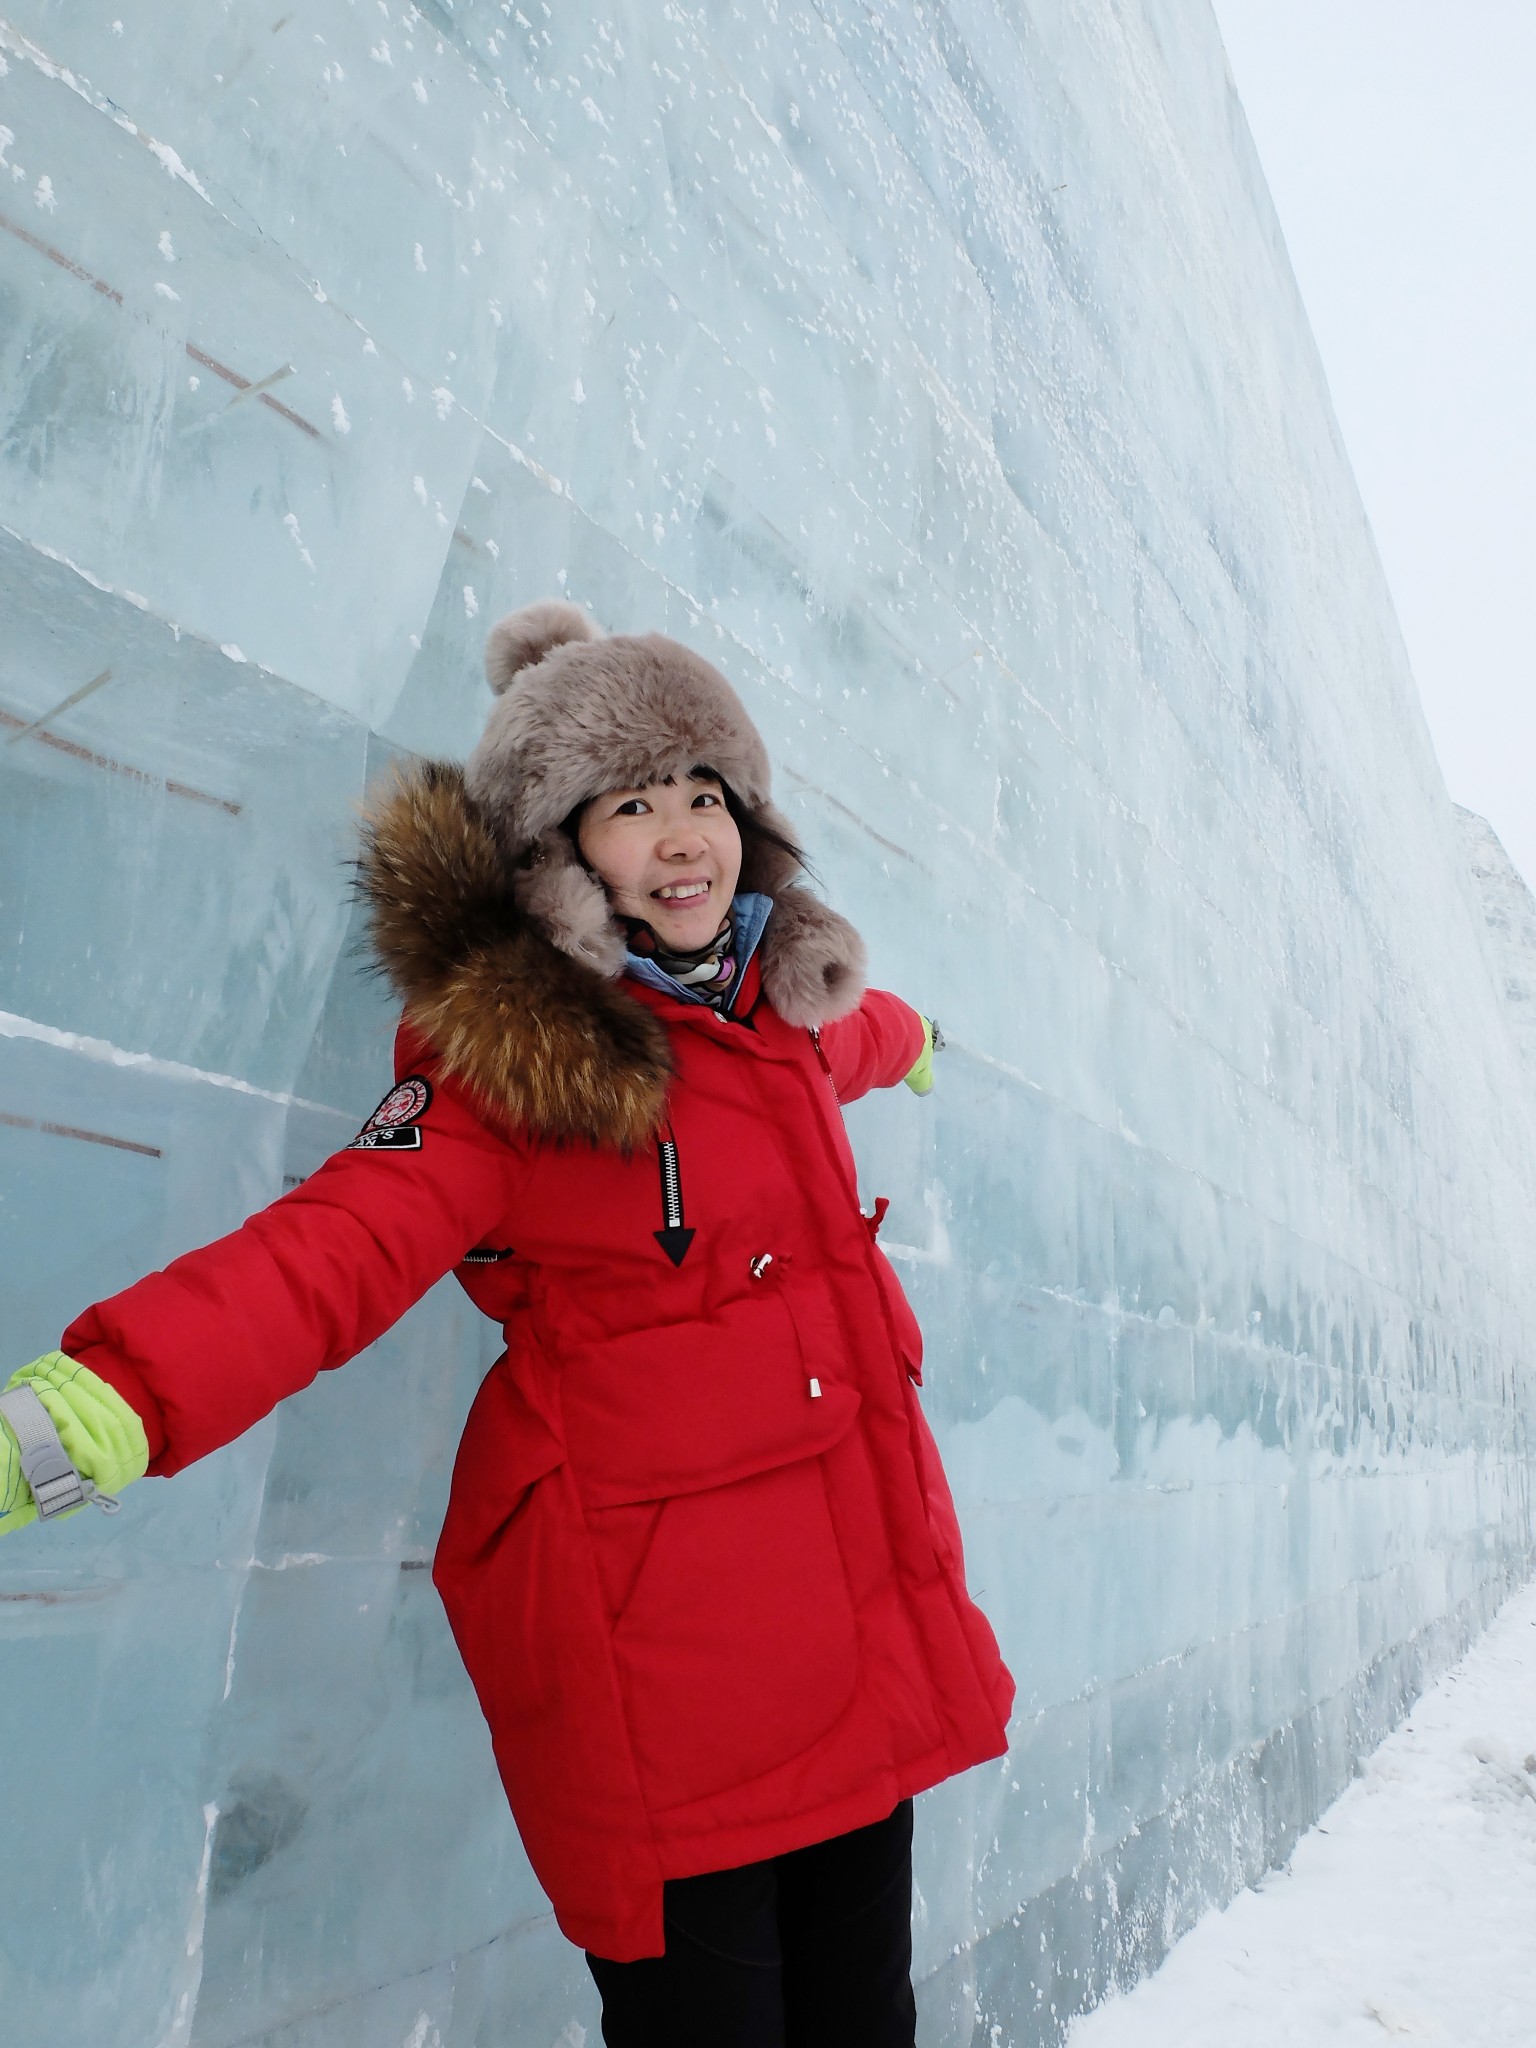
x: 700, y: 1558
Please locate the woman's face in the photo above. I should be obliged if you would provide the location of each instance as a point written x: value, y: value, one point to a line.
x: 669, y: 855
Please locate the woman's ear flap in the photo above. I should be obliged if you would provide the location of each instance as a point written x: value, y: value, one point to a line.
x: 813, y: 961
x: 566, y: 901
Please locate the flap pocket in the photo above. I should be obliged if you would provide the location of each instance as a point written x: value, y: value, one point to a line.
x: 690, y: 1405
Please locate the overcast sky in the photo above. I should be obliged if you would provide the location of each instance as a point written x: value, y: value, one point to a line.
x: 1399, y: 141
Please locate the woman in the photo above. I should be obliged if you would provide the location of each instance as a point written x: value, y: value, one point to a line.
x: 700, y: 1558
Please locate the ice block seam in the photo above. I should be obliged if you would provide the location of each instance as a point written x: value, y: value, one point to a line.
x: 77, y: 752
x: 32, y: 1123
x: 198, y: 355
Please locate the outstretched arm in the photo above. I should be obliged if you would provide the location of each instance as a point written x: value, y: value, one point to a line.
x: 875, y: 1046
x: 204, y: 1349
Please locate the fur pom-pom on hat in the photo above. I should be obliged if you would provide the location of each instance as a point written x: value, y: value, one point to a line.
x: 523, y: 638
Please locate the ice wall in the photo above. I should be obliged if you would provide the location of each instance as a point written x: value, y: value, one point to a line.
x: 937, y: 369
x: 1509, y: 913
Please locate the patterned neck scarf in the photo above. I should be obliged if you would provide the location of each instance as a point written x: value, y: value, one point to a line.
x: 709, y: 970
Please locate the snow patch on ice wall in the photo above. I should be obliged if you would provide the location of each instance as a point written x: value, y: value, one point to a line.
x: 939, y: 371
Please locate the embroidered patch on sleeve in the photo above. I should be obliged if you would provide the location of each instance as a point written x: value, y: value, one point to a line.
x: 394, y: 1125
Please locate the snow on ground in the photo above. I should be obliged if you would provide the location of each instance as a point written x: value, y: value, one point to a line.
x: 1408, y: 1914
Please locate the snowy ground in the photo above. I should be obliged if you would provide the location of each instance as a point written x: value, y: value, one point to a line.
x: 1409, y: 1914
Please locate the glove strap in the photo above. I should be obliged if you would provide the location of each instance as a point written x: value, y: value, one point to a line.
x: 45, y: 1464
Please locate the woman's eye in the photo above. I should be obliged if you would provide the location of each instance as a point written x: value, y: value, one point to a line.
x: 706, y: 796
x: 635, y: 807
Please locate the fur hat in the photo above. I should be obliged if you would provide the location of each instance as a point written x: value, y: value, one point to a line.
x: 579, y: 712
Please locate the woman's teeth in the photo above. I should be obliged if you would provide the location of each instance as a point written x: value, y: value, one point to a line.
x: 682, y: 892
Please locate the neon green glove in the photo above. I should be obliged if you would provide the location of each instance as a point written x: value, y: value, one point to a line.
x: 920, y: 1079
x: 102, y: 1436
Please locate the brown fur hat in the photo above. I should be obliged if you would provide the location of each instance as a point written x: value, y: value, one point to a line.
x: 579, y: 712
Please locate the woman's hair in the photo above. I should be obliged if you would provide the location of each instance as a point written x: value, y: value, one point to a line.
x: 755, y: 835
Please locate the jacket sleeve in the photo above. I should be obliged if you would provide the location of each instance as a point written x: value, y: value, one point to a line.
x: 209, y: 1346
x: 875, y: 1046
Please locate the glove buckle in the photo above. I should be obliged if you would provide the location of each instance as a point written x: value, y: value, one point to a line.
x: 45, y: 1464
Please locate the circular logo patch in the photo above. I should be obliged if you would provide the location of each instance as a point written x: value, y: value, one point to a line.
x: 402, y: 1105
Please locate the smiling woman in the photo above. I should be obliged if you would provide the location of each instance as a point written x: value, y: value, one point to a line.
x: 699, y: 1556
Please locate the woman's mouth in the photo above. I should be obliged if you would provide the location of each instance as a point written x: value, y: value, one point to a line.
x: 680, y: 892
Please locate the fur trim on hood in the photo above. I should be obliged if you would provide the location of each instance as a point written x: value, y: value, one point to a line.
x: 500, y: 967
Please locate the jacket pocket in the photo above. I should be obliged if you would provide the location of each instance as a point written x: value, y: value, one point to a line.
x: 697, y: 1451
x: 738, y: 1648
x: 697, y: 1404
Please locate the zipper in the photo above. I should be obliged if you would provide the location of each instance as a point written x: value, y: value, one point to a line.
x: 673, y: 1237
x: 671, y: 1186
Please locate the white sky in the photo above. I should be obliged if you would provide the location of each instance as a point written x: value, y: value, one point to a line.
x: 1399, y: 141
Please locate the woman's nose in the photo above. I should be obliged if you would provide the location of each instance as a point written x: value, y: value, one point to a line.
x: 682, y: 844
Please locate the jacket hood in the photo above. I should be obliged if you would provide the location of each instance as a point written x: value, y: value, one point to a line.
x: 502, y: 965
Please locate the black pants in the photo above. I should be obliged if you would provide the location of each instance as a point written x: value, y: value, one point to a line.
x: 809, y: 1950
